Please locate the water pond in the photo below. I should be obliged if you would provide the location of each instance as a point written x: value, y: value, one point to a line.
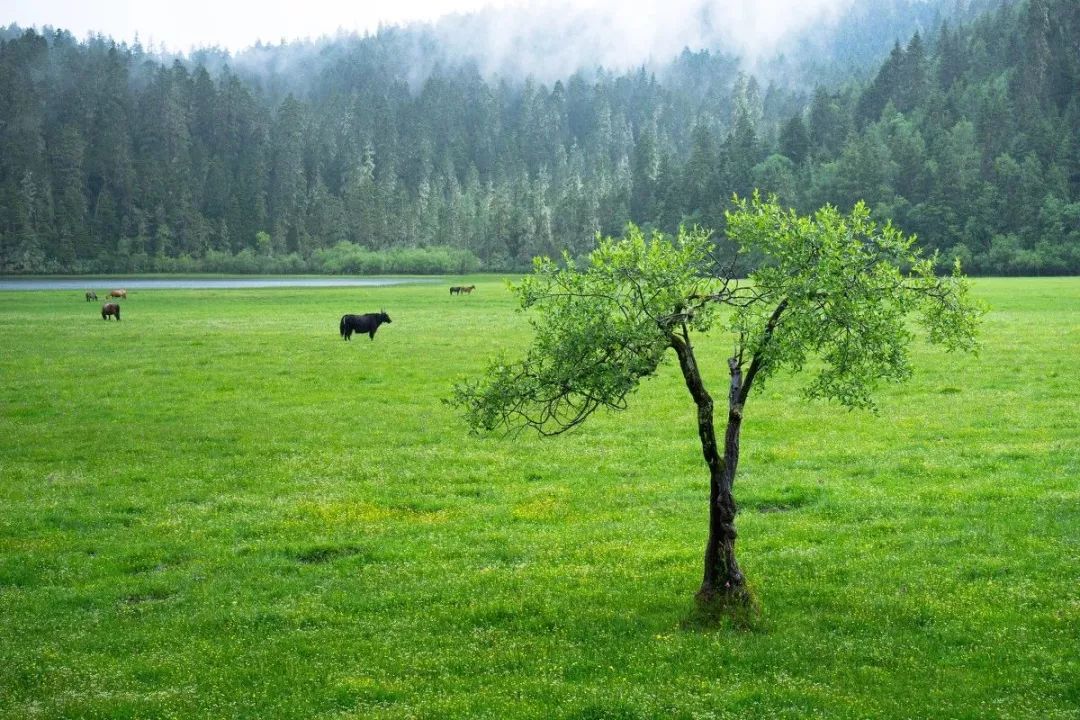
x: 198, y: 283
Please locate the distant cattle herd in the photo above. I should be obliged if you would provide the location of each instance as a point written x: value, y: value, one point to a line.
x: 109, y: 309
x: 349, y: 324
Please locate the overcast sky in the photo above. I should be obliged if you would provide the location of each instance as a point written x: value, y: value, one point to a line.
x: 233, y: 24
x: 236, y: 24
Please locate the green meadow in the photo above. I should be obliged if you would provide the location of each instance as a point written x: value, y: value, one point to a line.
x: 216, y: 508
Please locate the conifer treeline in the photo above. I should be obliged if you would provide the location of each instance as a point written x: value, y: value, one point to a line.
x: 112, y: 161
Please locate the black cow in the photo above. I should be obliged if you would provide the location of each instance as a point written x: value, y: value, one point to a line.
x: 362, y: 324
x: 110, y: 309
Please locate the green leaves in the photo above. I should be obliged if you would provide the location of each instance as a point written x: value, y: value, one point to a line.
x: 598, y: 332
x: 848, y: 286
x: 834, y: 294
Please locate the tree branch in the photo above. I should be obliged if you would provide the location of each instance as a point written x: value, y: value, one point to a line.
x: 759, y: 354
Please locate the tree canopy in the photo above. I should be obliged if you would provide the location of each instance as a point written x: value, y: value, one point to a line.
x: 831, y: 288
x: 838, y: 289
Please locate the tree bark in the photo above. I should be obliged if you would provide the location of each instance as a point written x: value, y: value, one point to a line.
x: 722, y: 576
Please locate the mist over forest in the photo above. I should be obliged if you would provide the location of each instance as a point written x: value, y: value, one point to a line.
x: 482, y: 140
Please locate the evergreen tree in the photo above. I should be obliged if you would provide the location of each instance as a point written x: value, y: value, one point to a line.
x: 794, y: 140
x: 912, y: 82
x: 702, y: 192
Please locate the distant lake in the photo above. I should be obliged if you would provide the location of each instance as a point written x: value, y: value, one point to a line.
x: 215, y: 283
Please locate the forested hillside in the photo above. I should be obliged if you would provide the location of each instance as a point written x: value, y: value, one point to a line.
x: 971, y: 140
x: 342, y: 157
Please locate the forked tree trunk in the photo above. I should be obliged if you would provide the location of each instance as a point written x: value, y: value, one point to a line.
x: 722, y: 576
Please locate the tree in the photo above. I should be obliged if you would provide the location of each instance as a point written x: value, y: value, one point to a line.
x: 828, y: 122
x: 743, y: 153
x: 777, y: 175
x: 833, y: 287
x: 795, y: 140
x: 951, y: 58
x: 884, y: 88
x: 646, y: 171
x: 701, y: 178
x: 912, y: 81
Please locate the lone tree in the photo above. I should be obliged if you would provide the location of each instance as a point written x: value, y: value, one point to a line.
x: 833, y: 289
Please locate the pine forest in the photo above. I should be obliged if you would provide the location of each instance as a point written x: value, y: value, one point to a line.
x: 338, y: 157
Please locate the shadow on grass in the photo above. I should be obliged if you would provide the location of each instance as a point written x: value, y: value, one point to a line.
x: 737, y: 611
x: 317, y: 554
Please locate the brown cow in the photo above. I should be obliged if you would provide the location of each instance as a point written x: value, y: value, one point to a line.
x: 110, y: 309
x: 117, y: 294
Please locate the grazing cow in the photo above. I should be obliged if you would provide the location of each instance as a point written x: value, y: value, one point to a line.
x: 110, y: 309
x: 117, y: 294
x: 90, y: 295
x: 362, y: 324
x: 467, y: 289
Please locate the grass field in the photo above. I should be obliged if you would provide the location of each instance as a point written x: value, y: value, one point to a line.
x: 217, y: 509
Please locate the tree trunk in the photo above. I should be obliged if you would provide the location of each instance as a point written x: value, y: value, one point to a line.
x: 722, y: 577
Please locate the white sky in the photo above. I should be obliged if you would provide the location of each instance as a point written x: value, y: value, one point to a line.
x: 233, y: 24
x: 181, y: 25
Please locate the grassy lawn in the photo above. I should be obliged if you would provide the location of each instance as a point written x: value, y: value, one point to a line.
x: 216, y: 508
